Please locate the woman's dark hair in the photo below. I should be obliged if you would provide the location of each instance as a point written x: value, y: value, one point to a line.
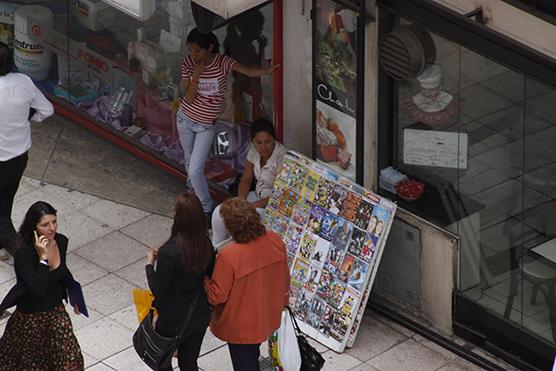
x: 262, y: 125
x: 190, y: 232
x: 6, y: 60
x: 204, y: 40
x: 241, y: 220
x: 32, y: 218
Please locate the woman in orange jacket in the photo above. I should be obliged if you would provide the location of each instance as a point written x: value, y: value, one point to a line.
x: 249, y: 286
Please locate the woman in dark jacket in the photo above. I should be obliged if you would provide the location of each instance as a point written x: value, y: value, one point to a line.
x: 182, y: 263
x: 39, y: 334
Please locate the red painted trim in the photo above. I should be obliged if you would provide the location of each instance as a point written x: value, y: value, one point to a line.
x: 96, y: 129
x: 278, y: 73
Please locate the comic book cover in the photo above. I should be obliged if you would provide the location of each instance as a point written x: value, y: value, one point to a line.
x: 335, y: 259
x: 358, y: 275
x: 347, y: 306
x: 356, y: 242
x: 310, y: 185
x: 345, y: 268
x: 327, y: 321
x: 286, y: 201
x: 308, y: 243
x: 320, y: 253
x: 323, y: 193
x: 343, y: 234
x: 323, y: 285
x: 280, y: 225
x: 302, y: 305
x: 294, y: 293
x: 297, y: 176
x: 290, y: 260
x: 300, y: 215
x: 363, y: 214
x: 348, y: 209
x: 369, y: 247
x: 293, y: 238
x: 337, y: 198
x: 274, y: 200
x: 340, y: 326
x: 315, y: 219
x: 310, y: 284
x: 299, y: 272
x: 286, y: 168
x: 316, y: 312
x: 336, y: 293
x: 330, y: 224
x: 268, y: 217
x: 380, y: 219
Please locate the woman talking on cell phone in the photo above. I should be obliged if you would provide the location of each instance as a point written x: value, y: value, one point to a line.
x: 204, y: 74
x: 39, y: 334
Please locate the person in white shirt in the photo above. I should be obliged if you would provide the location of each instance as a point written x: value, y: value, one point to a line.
x: 262, y: 164
x: 18, y: 95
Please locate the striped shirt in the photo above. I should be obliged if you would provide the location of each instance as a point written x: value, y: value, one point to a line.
x: 207, y: 104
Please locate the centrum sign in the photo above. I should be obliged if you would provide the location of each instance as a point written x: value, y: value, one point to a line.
x: 57, y: 42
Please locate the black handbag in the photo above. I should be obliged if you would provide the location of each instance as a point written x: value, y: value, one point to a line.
x: 156, y: 350
x: 311, y: 360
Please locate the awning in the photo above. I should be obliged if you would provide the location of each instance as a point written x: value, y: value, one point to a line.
x: 229, y: 8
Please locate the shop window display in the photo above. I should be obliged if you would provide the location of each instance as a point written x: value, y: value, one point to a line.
x: 121, y: 69
x: 480, y: 137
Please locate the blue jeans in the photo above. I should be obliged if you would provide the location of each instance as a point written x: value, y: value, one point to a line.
x: 196, y: 140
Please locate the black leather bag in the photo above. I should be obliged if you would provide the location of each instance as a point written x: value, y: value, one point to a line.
x: 311, y: 360
x: 155, y: 350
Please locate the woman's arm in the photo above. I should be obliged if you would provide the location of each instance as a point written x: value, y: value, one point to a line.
x: 190, y: 86
x: 33, y: 276
x: 246, y: 180
x: 254, y: 71
x: 219, y: 286
x: 159, y: 280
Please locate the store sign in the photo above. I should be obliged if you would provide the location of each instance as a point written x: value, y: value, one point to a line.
x: 228, y: 8
x: 57, y: 42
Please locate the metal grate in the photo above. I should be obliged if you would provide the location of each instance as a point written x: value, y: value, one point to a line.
x: 406, y: 51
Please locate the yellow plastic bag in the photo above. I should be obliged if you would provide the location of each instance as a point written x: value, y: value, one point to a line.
x: 143, y: 300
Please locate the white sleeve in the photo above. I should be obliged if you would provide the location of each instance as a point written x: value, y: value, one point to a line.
x: 252, y: 154
x: 42, y: 105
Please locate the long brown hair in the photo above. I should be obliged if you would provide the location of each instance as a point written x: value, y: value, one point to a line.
x: 190, y: 232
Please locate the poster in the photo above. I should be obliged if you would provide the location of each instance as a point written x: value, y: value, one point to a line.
x: 334, y: 231
x: 335, y: 86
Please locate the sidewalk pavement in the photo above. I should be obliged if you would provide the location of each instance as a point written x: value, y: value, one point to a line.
x: 113, y: 207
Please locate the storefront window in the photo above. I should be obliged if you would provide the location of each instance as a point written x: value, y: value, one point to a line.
x: 122, y: 70
x: 481, y: 138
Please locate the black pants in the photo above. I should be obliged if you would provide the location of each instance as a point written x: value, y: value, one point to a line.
x: 11, y: 172
x: 189, y: 350
x: 245, y: 357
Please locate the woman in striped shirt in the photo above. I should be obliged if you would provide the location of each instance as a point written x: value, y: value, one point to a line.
x: 204, y: 74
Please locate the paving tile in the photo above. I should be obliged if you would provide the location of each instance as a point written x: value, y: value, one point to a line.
x: 409, y: 355
x: 135, y: 273
x: 79, y: 321
x: 108, y: 294
x: 81, y: 229
x: 126, y: 317
x: 115, y: 215
x: 373, y: 338
x: 24, y: 188
x: 100, y: 367
x: 7, y: 272
x: 216, y: 360
x: 68, y: 199
x: 22, y: 204
x: 83, y: 270
x: 104, y: 338
x: 152, y: 231
x: 437, y: 348
x: 459, y: 365
x: 364, y: 367
x: 33, y: 182
x: 89, y: 360
x: 396, y: 326
x: 126, y: 360
x: 339, y: 361
x: 211, y: 342
x: 113, y: 251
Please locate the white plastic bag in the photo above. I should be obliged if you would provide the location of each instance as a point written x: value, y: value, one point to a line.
x: 288, y: 349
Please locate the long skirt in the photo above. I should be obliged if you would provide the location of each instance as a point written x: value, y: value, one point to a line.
x: 39, y: 342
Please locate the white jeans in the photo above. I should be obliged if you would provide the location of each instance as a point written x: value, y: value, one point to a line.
x: 196, y: 140
x: 219, y: 231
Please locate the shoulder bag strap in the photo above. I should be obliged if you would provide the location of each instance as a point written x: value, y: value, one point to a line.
x: 295, y: 325
x: 189, y: 314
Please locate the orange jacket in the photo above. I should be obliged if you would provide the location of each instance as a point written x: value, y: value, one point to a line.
x: 249, y: 288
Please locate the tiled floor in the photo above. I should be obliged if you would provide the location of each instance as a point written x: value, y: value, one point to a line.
x: 108, y: 243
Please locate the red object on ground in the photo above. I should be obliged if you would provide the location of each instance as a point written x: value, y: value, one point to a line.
x: 410, y: 190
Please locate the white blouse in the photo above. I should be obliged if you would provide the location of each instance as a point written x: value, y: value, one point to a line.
x: 267, y: 174
x: 18, y: 93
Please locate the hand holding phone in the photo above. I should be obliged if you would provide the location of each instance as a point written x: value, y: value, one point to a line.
x: 41, y: 245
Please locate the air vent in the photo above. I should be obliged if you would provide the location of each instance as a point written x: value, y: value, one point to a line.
x: 406, y: 51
